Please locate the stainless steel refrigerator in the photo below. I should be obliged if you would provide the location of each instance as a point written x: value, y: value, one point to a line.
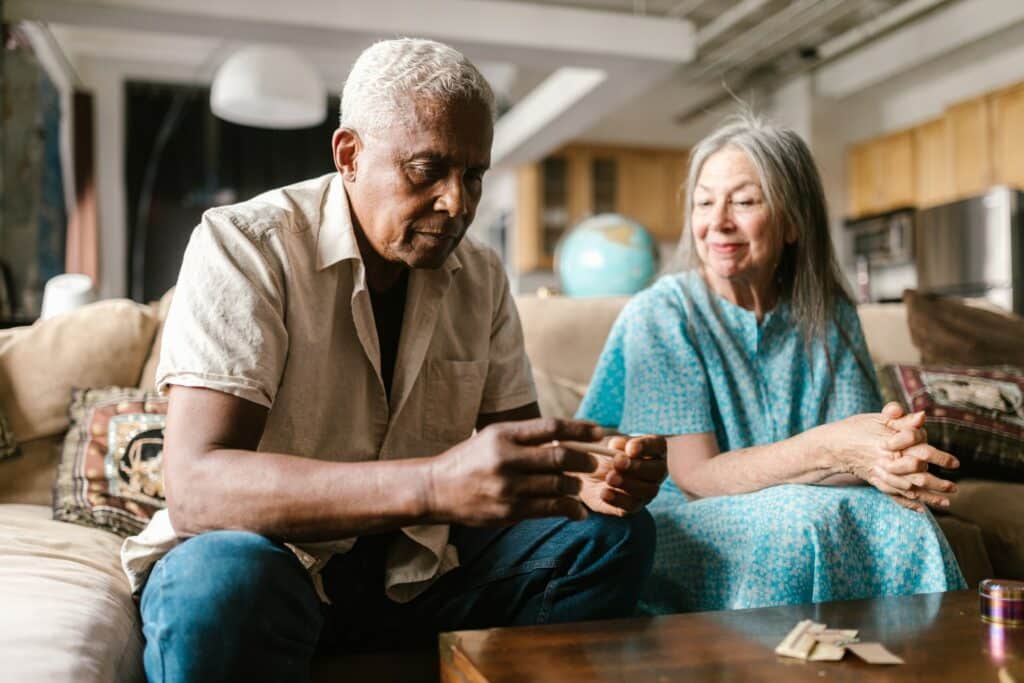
x: 973, y: 248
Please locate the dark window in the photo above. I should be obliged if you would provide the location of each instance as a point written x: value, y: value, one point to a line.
x: 203, y: 162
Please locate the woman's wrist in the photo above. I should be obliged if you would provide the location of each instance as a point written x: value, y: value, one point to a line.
x: 825, y: 456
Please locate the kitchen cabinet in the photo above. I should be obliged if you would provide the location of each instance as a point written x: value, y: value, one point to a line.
x: 897, y: 177
x: 974, y: 145
x: 1008, y: 136
x: 933, y: 168
x: 860, y: 175
x: 970, y: 135
x: 881, y: 173
x: 578, y: 181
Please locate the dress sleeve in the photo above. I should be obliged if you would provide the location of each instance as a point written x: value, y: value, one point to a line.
x: 856, y: 387
x: 649, y: 378
x: 225, y: 328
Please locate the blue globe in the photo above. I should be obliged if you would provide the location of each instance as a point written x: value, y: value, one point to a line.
x: 606, y: 255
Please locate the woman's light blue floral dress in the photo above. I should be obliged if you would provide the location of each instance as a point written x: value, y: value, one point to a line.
x: 682, y: 360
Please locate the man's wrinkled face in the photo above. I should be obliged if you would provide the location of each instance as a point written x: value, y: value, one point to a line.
x: 414, y: 187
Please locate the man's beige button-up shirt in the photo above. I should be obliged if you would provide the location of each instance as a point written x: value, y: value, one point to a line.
x: 272, y: 306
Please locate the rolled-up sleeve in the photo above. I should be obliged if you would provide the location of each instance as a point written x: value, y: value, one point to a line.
x: 225, y: 329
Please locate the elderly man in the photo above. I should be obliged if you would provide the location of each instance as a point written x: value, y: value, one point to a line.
x: 331, y: 347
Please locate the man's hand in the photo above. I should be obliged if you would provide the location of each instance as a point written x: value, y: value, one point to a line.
x: 624, y: 483
x: 505, y: 473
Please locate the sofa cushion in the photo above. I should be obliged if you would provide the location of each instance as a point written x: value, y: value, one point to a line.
x: 998, y: 509
x: 67, y: 610
x: 102, y: 344
x: 968, y: 544
x: 556, y: 395
x: 564, y: 337
x: 111, y: 473
x: 887, y: 333
x: 977, y: 414
x: 953, y: 332
x: 8, y: 446
x: 160, y: 308
x: 29, y: 477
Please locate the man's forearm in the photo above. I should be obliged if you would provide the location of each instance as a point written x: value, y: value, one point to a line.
x: 296, y: 499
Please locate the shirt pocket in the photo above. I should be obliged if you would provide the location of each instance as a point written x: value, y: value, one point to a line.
x: 454, y: 390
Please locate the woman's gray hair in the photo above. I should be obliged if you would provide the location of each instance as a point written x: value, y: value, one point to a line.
x: 390, y: 74
x: 808, y: 274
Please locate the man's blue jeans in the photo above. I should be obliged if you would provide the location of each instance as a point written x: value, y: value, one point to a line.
x: 233, y: 605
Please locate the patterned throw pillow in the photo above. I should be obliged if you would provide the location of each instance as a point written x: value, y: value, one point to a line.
x: 975, y: 413
x: 110, y: 473
x: 8, y: 446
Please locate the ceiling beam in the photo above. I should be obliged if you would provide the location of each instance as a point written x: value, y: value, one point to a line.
x: 532, y: 118
x: 631, y: 53
x: 505, y: 31
x: 541, y: 122
x: 938, y: 32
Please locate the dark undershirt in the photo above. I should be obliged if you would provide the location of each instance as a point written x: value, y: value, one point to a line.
x: 388, y: 311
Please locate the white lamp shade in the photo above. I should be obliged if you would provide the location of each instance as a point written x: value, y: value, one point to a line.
x: 268, y: 87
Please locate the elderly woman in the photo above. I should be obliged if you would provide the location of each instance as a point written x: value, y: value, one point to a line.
x: 754, y: 357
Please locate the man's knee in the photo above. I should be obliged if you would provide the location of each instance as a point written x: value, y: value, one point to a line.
x: 626, y: 540
x: 221, y: 576
x: 611, y: 558
x: 229, y: 604
x: 225, y: 561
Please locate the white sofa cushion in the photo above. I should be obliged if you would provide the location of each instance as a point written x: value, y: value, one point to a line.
x: 887, y: 334
x: 67, y: 612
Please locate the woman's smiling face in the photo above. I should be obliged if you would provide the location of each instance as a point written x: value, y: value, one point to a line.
x: 732, y: 226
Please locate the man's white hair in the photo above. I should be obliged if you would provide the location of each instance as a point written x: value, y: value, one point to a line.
x: 391, y: 77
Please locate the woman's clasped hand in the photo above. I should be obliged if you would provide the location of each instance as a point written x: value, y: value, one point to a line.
x: 890, y: 451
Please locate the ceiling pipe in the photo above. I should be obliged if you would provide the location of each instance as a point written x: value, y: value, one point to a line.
x: 684, y: 9
x: 826, y: 52
x: 789, y: 37
x: 744, y: 41
x: 856, y: 37
x: 727, y: 20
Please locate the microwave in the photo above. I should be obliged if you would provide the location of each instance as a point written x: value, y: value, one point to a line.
x: 885, y: 239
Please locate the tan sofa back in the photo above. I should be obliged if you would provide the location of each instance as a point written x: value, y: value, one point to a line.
x: 564, y: 337
x: 118, y: 342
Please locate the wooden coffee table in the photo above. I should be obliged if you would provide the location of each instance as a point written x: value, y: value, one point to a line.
x: 940, y: 635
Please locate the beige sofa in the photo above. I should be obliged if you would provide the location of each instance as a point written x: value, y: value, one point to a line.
x: 65, y: 609
x: 984, y: 524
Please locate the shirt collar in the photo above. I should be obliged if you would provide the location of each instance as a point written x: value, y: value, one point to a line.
x: 336, y: 239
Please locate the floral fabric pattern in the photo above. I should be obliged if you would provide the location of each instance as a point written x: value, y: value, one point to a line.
x: 975, y: 413
x: 681, y: 360
x: 111, y: 470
